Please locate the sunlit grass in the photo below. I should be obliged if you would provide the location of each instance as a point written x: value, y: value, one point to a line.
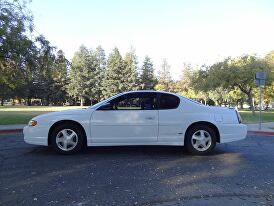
x: 22, y: 114
x: 37, y: 108
x: 248, y: 117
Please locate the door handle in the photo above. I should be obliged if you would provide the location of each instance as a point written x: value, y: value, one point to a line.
x: 149, y: 118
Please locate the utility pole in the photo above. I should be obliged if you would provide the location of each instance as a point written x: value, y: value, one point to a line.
x: 260, y: 123
x: 260, y: 78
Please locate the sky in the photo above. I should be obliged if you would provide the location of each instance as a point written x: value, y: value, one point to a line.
x: 194, y: 31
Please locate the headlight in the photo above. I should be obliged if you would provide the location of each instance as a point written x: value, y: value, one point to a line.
x: 32, y: 123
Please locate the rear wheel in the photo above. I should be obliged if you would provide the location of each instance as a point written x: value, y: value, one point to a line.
x: 200, y: 139
x: 67, y: 139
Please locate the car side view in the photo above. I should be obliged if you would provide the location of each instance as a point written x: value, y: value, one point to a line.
x: 138, y: 118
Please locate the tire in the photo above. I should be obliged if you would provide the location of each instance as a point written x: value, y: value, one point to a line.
x: 200, y: 140
x: 67, y: 139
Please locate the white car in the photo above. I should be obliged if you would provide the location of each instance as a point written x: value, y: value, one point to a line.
x: 138, y: 118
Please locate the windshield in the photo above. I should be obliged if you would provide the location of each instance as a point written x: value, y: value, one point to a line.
x: 103, y: 101
x: 97, y: 104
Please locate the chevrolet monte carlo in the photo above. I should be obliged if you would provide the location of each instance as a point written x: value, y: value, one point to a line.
x: 138, y: 118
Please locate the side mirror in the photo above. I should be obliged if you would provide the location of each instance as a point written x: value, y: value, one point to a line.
x: 106, y: 106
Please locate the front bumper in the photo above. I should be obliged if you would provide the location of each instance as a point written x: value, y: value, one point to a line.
x: 232, y: 132
x: 35, y: 135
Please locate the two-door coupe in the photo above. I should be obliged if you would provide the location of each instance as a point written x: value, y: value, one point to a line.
x: 138, y: 118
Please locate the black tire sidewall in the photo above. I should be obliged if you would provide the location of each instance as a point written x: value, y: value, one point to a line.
x: 194, y: 129
x: 76, y: 129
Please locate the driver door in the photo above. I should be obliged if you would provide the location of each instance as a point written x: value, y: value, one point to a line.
x: 130, y: 118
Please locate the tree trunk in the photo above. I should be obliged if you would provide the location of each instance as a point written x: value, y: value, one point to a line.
x: 219, y: 102
x: 2, y: 101
x: 241, y: 104
x: 248, y: 92
x: 82, y: 101
x: 29, y: 101
x: 47, y: 101
x: 250, y: 102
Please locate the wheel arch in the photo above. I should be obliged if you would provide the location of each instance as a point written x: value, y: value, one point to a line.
x: 211, y: 125
x: 60, y: 122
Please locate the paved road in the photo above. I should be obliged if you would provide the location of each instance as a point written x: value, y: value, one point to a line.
x: 240, y: 173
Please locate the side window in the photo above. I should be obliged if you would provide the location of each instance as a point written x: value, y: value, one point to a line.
x: 127, y: 103
x: 168, y: 101
x: 135, y: 101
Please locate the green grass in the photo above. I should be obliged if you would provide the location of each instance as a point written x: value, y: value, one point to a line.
x: 247, y: 117
x: 22, y: 114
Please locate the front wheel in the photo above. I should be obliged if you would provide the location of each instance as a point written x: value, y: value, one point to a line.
x: 67, y: 139
x: 200, y: 140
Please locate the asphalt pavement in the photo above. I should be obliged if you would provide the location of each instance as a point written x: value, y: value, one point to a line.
x: 239, y: 173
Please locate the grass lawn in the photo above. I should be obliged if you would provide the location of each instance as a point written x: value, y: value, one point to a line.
x: 22, y: 114
x: 247, y: 117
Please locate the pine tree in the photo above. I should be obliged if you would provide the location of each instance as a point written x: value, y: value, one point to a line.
x: 147, y: 79
x: 112, y: 81
x: 82, y: 78
x: 43, y: 79
x: 59, y: 74
x: 90, y: 77
x: 164, y: 77
x: 130, y: 72
x: 100, y: 67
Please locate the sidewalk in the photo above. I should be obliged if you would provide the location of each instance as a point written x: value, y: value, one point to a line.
x: 267, y: 128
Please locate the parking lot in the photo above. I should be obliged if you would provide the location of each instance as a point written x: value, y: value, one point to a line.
x: 240, y: 173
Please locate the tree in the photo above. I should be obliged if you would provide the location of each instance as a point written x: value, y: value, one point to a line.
x: 268, y: 90
x: 15, y: 45
x: 58, y: 92
x: 184, y: 85
x: 269, y: 58
x: 100, y: 67
x: 147, y: 79
x: 241, y: 74
x: 238, y: 97
x: 112, y: 81
x: 164, y: 77
x: 43, y: 76
x: 82, y: 79
x: 234, y: 73
x: 129, y: 80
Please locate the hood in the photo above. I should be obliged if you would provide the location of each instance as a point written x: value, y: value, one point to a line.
x: 63, y: 112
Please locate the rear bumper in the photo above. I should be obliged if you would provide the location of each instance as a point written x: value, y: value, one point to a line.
x: 232, y: 132
x: 34, y: 135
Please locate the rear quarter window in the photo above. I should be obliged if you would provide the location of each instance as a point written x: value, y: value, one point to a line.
x: 169, y: 101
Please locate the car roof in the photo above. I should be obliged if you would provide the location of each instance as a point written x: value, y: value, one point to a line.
x: 161, y: 92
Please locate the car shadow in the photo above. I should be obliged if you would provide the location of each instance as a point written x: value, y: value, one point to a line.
x: 111, y: 151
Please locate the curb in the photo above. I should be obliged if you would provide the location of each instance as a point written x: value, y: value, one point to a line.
x: 261, y: 132
x: 11, y: 131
